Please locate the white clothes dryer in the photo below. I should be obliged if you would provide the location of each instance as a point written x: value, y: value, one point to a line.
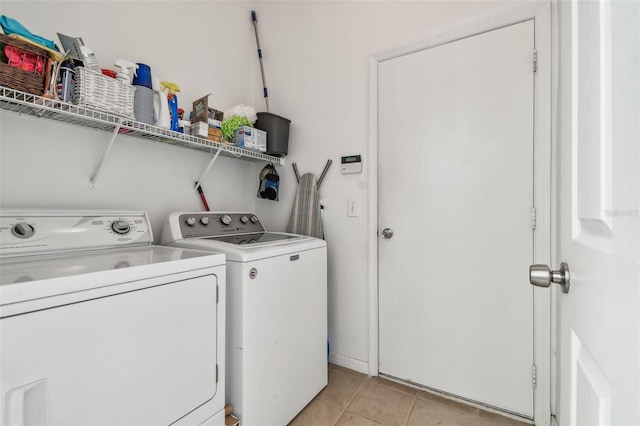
x: 276, y: 311
x: 99, y: 327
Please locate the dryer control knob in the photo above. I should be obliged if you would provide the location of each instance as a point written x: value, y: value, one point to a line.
x: 244, y: 219
x: 204, y: 220
x: 226, y: 219
x: 23, y: 230
x: 121, y: 227
x: 254, y: 219
x: 191, y: 221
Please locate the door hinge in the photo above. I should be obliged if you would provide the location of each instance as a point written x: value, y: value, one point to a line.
x: 533, y: 218
x: 534, y: 378
x: 216, y: 373
x: 535, y: 60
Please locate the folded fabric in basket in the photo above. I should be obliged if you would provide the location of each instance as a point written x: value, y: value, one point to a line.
x: 11, y: 26
x: 24, y: 60
x: 53, y: 54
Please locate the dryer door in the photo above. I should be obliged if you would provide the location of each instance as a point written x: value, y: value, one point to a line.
x: 142, y: 357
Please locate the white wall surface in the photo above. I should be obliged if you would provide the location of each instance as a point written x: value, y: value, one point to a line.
x: 316, y: 59
x: 316, y: 62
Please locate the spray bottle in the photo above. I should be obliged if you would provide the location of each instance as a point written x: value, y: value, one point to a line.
x: 172, y: 99
x: 123, y: 73
x: 160, y: 105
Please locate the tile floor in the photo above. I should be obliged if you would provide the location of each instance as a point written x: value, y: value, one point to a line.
x: 352, y: 398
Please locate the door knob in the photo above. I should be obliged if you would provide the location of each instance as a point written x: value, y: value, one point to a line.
x: 387, y: 233
x: 542, y: 276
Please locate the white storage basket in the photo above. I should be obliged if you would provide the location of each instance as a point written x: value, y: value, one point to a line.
x: 95, y: 90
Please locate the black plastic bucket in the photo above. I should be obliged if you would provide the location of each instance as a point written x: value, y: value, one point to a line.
x: 277, y: 129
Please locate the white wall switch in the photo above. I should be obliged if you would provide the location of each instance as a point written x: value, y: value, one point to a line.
x: 353, y: 208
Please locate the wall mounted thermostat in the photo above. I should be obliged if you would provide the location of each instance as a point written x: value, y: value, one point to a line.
x: 351, y: 164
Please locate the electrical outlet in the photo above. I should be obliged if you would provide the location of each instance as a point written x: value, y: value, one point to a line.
x: 353, y: 208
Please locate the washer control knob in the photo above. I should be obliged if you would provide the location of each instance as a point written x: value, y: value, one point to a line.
x: 254, y: 219
x: 204, y: 220
x: 23, y: 230
x: 226, y: 219
x: 191, y: 221
x: 121, y: 227
x: 244, y: 219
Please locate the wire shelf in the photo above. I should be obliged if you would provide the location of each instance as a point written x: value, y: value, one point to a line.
x: 51, y: 109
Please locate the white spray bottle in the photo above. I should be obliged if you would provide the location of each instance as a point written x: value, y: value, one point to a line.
x: 160, y: 105
x: 123, y: 73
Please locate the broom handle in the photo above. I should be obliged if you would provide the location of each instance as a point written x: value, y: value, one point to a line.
x: 264, y: 83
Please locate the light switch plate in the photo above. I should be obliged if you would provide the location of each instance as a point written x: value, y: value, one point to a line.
x: 353, y: 208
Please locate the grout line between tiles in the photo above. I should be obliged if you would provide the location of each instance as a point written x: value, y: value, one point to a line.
x: 344, y: 410
x: 413, y: 404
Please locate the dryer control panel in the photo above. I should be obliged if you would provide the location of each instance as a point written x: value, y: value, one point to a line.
x: 207, y: 224
x: 39, y: 231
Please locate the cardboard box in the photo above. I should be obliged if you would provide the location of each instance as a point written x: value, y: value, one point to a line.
x: 215, y: 132
x: 214, y: 114
x: 250, y: 138
x: 231, y: 420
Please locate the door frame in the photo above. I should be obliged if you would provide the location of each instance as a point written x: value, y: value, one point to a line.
x: 540, y: 13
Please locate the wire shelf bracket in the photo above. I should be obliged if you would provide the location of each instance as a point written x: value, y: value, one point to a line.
x: 94, y: 177
x: 213, y: 160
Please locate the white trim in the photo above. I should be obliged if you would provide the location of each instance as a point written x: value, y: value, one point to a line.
x: 520, y: 14
x: 540, y: 13
x: 544, y: 204
x: 555, y: 203
x: 373, y: 217
x: 350, y: 363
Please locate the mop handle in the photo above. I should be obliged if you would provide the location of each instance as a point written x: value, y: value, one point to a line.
x: 202, y: 197
x: 264, y: 83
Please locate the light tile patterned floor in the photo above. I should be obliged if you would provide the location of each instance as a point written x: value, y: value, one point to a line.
x: 352, y: 398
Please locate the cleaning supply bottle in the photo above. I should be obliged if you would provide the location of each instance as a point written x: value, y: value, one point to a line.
x: 172, y: 100
x: 123, y: 70
x: 160, y: 105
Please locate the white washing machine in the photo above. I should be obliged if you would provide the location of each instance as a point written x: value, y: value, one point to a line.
x: 99, y: 327
x: 276, y: 311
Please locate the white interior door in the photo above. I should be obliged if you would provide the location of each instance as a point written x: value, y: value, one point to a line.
x: 599, y: 319
x: 456, y: 187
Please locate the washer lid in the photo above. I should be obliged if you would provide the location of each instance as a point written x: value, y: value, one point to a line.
x: 257, y: 238
x: 280, y: 244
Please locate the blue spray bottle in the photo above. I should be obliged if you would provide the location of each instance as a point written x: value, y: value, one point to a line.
x: 172, y: 99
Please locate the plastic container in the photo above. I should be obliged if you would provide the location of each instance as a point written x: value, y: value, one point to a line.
x: 142, y: 76
x: 143, y: 105
x: 277, y: 129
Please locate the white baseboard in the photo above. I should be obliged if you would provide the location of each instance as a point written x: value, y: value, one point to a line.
x: 350, y: 363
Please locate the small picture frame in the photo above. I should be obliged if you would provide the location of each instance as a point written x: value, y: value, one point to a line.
x: 201, y: 109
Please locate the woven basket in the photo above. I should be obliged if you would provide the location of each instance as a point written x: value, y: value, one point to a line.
x: 16, y: 77
x: 97, y: 91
